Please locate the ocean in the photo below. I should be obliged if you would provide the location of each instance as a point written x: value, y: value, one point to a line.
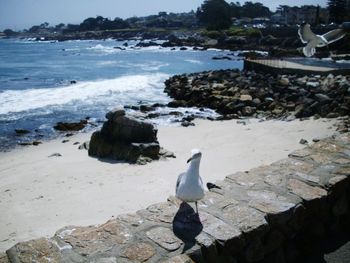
x: 42, y: 83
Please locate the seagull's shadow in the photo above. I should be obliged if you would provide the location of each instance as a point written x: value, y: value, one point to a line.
x: 187, y: 225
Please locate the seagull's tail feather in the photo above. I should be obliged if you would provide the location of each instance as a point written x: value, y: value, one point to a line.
x: 309, y: 51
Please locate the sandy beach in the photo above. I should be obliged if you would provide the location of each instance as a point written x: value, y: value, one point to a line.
x: 40, y: 194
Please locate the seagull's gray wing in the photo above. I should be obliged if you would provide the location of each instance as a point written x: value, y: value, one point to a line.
x: 333, y: 35
x: 178, y: 181
x: 305, y: 34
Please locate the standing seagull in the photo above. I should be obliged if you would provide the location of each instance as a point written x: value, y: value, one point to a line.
x: 312, y: 40
x: 189, y: 185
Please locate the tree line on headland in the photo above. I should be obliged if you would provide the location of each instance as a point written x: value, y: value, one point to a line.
x: 212, y: 14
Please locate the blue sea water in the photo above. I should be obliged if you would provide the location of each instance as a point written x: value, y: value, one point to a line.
x: 36, y: 90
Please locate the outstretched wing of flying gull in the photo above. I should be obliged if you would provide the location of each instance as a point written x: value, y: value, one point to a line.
x: 312, y: 40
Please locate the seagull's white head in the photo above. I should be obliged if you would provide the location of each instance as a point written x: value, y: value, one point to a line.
x: 195, y: 155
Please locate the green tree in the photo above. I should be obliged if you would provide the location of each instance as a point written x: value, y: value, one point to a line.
x: 9, y: 32
x: 252, y: 10
x: 214, y: 14
x: 236, y: 9
x: 337, y: 10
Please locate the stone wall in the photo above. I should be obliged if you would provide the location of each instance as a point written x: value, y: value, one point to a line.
x: 275, y: 66
x: 284, y: 212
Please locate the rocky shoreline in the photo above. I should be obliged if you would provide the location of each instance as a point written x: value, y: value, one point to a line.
x: 236, y: 94
x: 278, y: 42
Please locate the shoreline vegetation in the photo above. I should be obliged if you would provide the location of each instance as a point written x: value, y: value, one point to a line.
x: 280, y: 41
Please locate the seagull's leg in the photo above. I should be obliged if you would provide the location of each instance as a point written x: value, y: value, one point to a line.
x: 196, y: 207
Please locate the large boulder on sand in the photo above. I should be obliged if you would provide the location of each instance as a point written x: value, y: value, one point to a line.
x: 124, y: 138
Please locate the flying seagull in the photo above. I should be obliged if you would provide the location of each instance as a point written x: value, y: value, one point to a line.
x: 312, y: 40
x: 189, y: 185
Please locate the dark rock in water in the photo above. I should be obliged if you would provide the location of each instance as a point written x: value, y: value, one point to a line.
x: 155, y: 105
x: 36, y: 143
x: 147, y: 44
x: 73, y: 82
x: 65, y: 141
x: 177, y: 104
x: 124, y: 138
x: 120, y: 48
x: 146, y: 108
x: 176, y: 113
x: 222, y: 58
x: 70, y: 126
x: 152, y: 115
x: 21, y: 131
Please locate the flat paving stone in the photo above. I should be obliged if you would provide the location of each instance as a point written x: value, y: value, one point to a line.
x: 161, y: 212
x: 305, y: 191
x: 92, y: 239
x: 246, y: 179
x: 217, y: 228
x: 40, y: 250
x: 139, y: 252
x: 165, y: 238
x: 247, y: 219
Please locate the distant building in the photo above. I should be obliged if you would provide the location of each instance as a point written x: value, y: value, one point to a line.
x: 297, y: 15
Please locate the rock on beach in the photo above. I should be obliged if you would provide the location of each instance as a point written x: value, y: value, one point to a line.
x: 125, y: 138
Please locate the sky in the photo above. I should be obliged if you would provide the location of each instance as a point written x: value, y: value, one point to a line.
x: 21, y: 14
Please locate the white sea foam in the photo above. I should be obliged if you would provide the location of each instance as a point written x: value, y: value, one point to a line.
x: 107, y: 63
x: 194, y: 61
x: 123, y: 88
x: 104, y: 49
x: 343, y: 61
